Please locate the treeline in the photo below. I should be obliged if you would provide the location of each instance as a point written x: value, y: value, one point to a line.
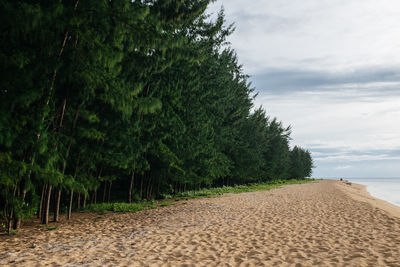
x: 126, y: 100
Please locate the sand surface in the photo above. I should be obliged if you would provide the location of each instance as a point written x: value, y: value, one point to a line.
x: 316, y: 224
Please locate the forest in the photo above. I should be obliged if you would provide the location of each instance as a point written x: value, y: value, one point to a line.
x: 121, y: 100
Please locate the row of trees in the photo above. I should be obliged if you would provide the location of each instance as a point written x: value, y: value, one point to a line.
x: 126, y: 100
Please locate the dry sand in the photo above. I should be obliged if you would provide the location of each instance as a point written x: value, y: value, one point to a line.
x: 316, y: 224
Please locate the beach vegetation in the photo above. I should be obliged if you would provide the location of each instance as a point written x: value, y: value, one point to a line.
x: 165, y: 204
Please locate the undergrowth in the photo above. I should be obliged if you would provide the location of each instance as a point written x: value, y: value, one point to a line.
x: 211, y: 192
x: 103, y: 208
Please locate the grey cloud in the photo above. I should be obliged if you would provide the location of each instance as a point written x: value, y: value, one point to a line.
x: 345, y: 156
x: 291, y: 80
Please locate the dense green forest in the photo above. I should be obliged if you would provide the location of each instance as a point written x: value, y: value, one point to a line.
x: 110, y: 100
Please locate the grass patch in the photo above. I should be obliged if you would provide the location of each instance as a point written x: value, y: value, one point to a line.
x: 165, y: 204
x: 103, y: 208
x: 13, y: 232
x: 212, y: 192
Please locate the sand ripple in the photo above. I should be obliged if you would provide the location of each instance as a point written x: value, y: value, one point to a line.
x: 315, y: 224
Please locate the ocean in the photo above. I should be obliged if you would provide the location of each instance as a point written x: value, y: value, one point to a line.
x: 384, y: 188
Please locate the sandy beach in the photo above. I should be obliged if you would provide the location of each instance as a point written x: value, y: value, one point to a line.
x: 326, y: 223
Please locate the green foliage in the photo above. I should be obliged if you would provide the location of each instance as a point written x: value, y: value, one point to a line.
x: 216, y: 191
x: 121, y: 207
x: 128, y: 99
x: 13, y: 232
x: 165, y: 204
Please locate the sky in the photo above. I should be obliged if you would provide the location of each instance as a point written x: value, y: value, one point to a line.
x: 331, y: 70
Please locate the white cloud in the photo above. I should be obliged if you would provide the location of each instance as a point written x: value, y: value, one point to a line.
x: 343, y: 167
x: 337, y: 119
x: 333, y: 34
x: 331, y: 69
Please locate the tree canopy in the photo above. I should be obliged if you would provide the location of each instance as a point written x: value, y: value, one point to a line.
x: 126, y: 100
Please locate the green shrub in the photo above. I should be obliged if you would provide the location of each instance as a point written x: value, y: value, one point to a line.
x: 240, y: 188
x: 103, y: 208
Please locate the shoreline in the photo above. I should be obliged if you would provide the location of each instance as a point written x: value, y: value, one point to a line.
x: 322, y: 223
x: 359, y: 192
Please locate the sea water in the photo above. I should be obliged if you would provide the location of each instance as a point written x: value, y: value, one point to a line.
x: 384, y: 188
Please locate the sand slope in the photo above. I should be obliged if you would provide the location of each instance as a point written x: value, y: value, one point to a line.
x: 315, y: 224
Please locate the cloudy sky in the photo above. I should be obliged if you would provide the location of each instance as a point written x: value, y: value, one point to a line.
x: 331, y: 69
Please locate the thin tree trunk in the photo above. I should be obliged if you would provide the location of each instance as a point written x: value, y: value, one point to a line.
x: 94, y: 198
x: 39, y: 215
x: 20, y: 192
x: 131, y: 186
x: 158, y: 189
x: 71, y: 197
x: 149, y: 185
x: 57, y: 206
x: 151, y: 190
x: 45, y: 218
x: 72, y: 190
x: 57, y: 210
x: 58, y: 192
x: 46, y: 210
x: 58, y: 58
x: 9, y: 223
x: 79, y: 202
x: 109, y: 191
x: 56, y: 213
x: 10, y: 212
x: 141, y: 187
x: 104, y: 191
x: 91, y: 200
x: 84, y: 201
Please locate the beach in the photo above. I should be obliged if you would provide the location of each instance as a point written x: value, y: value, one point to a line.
x: 323, y: 223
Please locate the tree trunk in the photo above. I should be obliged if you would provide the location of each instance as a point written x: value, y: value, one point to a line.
x: 9, y: 212
x: 58, y: 192
x: 53, y: 79
x: 57, y: 206
x: 39, y: 215
x: 130, y: 187
x: 95, y: 196
x: 84, y: 201
x: 45, y: 218
x: 149, y: 186
x: 104, y: 191
x: 141, y: 187
x: 9, y: 224
x: 91, y: 200
x: 94, y: 199
x: 46, y: 210
x: 78, y: 204
x: 72, y: 190
x: 70, y: 204
x: 109, y: 191
x: 158, y: 189
x: 20, y: 193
